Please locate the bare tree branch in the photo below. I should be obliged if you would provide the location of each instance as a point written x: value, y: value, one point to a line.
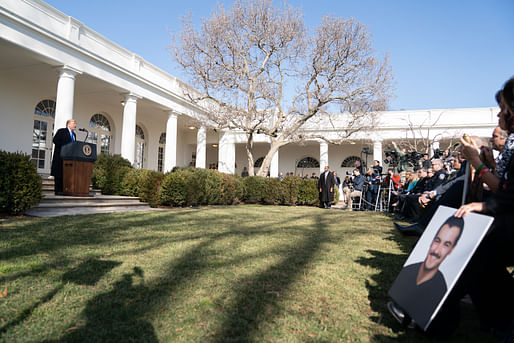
x: 261, y: 71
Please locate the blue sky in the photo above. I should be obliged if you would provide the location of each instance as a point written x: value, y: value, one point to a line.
x: 444, y: 53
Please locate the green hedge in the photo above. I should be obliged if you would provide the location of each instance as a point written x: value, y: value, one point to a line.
x: 274, y: 193
x: 144, y: 184
x: 290, y: 186
x: 253, y: 189
x: 193, y: 187
x: 20, y: 184
x: 174, y: 189
x: 308, y: 193
x: 109, y: 172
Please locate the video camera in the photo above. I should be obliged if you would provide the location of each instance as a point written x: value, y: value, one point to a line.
x: 413, y: 157
x: 391, y: 156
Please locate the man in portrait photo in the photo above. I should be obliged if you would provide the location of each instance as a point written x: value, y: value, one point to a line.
x: 420, y: 287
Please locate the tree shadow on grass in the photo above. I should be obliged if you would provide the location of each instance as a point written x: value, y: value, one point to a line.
x: 87, y: 273
x: 258, y: 297
x: 118, y: 315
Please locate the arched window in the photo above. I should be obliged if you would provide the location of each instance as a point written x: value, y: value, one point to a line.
x: 44, y: 114
x: 140, y: 147
x: 349, y: 162
x: 160, y: 152
x: 100, y: 133
x: 258, y: 162
x: 308, y: 162
x: 45, y: 108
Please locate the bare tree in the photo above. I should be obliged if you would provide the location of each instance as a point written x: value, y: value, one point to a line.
x: 419, y: 137
x: 267, y: 74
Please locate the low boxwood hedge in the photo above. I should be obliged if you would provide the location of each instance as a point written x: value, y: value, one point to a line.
x: 20, y: 184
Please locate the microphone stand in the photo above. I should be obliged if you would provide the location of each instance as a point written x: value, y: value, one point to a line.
x: 87, y: 133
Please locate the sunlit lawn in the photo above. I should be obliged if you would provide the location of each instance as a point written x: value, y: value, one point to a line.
x: 211, y: 274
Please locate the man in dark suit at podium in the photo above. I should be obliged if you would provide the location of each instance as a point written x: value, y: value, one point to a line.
x: 61, y: 137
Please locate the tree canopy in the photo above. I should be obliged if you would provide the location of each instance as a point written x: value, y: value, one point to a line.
x: 266, y: 73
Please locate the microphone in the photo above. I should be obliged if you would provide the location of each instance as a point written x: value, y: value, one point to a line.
x: 83, y: 130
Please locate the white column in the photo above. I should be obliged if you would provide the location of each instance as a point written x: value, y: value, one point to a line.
x: 377, y: 151
x: 226, y: 153
x: 64, y: 97
x: 273, y: 172
x: 170, y: 156
x: 128, y: 131
x: 323, y: 156
x: 201, y: 147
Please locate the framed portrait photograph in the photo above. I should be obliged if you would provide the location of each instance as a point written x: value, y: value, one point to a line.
x: 436, y: 262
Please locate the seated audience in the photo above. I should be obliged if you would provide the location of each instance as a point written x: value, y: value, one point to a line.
x: 486, y: 277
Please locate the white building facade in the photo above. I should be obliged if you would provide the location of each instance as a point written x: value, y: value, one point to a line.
x: 53, y: 68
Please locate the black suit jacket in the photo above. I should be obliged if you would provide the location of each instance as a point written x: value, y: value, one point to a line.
x: 325, y: 185
x: 61, y: 137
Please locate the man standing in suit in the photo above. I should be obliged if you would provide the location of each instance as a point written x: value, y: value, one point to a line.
x: 61, y: 137
x: 326, y: 183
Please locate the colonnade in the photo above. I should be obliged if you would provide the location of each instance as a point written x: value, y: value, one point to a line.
x: 227, y: 139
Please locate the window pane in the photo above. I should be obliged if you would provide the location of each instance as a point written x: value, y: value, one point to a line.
x: 92, y: 137
x: 105, y: 144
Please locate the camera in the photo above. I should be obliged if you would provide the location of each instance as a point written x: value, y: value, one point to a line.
x: 391, y: 156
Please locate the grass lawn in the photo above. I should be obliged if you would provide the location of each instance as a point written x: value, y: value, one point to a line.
x: 212, y: 274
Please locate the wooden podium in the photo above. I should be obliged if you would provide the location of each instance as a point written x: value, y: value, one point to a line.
x: 77, y: 162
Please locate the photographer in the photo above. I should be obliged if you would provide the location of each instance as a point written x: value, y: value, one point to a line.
x: 425, y: 163
x: 374, y: 179
x: 403, y: 160
x: 358, y: 183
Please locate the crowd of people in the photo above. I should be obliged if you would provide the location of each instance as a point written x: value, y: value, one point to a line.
x: 487, y: 188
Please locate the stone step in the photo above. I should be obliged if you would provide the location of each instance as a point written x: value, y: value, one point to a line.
x: 47, y: 187
x: 55, y: 212
x: 96, y: 198
x: 59, y: 205
x: 91, y: 203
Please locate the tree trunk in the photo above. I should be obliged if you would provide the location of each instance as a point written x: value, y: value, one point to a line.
x: 265, y: 167
x: 249, y: 153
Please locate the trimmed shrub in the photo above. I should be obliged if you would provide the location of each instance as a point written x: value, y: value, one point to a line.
x: 204, y: 187
x: 192, y: 187
x: 308, y: 193
x: 20, y: 184
x: 142, y: 183
x: 174, y: 189
x: 109, y: 172
x: 290, y: 186
x: 273, y: 192
x: 253, y: 189
x: 231, y: 189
